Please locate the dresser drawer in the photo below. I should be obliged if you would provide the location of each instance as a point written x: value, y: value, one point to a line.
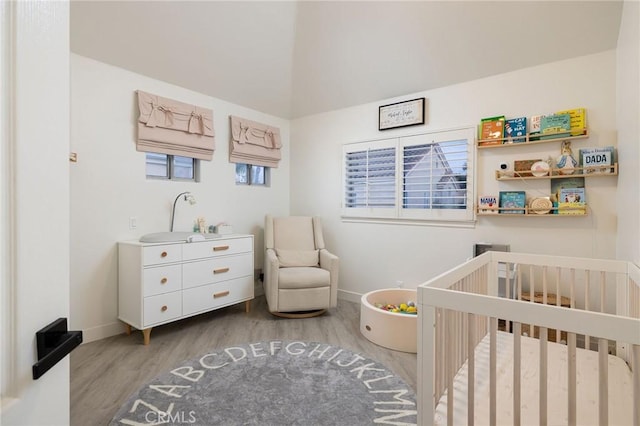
x: 217, y: 269
x: 221, y: 247
x: 162, y: 308
x: 212, y: 296
x: 157, y: 255
x: 162, y: 279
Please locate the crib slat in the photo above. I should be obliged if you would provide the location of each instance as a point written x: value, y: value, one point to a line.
x: 517, y: 328
x: 558, y: 300
x: 543, y: 376
x: 471, y: 337
x: 493, y: 327
x: 587, y: 285
x: 531, y: 297
x: 602, y: 290
x: 571, y: 378
x: 636, y: 384
x: 603, y: 382
x: 449, y: 367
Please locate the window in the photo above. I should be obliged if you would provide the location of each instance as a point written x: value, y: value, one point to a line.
x: 172, y: 167
x: 421, y: 177
x: 247, y: 174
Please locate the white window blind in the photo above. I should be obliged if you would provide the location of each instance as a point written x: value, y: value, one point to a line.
x: 370, y: 178
x: 420, y: 177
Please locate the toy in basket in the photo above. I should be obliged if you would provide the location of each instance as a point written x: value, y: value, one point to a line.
x: 404, y: 308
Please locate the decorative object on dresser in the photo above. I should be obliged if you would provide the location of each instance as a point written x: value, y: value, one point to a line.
x: 300, y: 274
x: 160, y: 283
x: 187, y: 197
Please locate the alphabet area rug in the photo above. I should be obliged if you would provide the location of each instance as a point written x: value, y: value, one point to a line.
x: 274, y: 383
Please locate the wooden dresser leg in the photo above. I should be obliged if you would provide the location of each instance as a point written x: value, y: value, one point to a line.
x: 127, y: 329
x: 247, y: 306
x: 147, y: 335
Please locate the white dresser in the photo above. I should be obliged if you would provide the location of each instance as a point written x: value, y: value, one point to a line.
x: 163, y: 282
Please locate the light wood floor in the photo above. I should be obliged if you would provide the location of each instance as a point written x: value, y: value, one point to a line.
x: 106, y: 372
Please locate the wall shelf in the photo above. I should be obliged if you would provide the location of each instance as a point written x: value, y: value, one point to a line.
x: 528, y: 211
x: 501, y: 142
x: 606, y: 170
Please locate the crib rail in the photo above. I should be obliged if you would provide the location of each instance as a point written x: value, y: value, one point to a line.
x: 585, y: 303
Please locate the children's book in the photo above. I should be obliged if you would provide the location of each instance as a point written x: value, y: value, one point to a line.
x: 572, y: 201
x: 491, y: 130
x: 578, y: 120
x: 593, y: 159
x: 558, y: 184
x: 510, y: 201
x: 555, y: 126
x: 534, y: 126
x: 515, y: 130
x: 488, y: 204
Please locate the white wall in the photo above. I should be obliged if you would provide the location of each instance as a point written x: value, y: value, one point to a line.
x: 377, y: 255
x: 628, y: 123
x: 108, y: 185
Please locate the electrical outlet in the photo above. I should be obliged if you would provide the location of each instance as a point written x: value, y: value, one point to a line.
x: 399, y: 284
x: 133, y: 222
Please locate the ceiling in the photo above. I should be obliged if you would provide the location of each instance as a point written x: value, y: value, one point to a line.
x: 292, y: 59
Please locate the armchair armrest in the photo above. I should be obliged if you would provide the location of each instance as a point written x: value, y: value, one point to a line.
x: 331, y: 263
x: 270, y: 283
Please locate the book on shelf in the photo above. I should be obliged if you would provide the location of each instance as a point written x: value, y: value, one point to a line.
x: 592, y: 160
x: 555, y: 126
x: 515, y: 130
x: 488, y: 204
x: 559, y: 184
x: 510, y: 202
x: 577, y: 119
x: 572, y: 201
x: 534, y: 125
x: 492, y: 130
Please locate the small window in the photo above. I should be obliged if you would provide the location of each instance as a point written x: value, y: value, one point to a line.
x: 171, y: 167
x: 248, y: 174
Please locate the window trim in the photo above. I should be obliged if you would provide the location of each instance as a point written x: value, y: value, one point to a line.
x: 399, y: 214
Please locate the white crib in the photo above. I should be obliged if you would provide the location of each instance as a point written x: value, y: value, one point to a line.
x: 580, y: 366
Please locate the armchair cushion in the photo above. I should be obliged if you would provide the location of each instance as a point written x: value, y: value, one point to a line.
x: 303, y: 277
x: 292, y: 258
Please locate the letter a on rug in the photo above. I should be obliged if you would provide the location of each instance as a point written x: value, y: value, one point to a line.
x: 273, y: 383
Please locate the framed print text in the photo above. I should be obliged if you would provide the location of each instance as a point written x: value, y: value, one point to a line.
x: 401, y: 114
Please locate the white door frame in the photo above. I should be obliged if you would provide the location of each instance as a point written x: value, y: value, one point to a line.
x: 34, y: 205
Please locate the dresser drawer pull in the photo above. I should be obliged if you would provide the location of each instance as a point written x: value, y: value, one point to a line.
x: 164, y: 308
x: 220, y: 271
x: 221, y: 294
x: 163, y: 254
x: 220, y: 248
x: 163, y: 281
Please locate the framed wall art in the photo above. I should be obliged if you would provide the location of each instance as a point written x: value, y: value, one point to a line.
x: 401, y: 114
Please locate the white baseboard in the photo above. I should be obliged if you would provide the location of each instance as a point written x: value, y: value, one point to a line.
x: 102, y: 332
x: 349, y: 296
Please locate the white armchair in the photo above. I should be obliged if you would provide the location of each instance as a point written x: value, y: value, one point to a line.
x: 300, y: 274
